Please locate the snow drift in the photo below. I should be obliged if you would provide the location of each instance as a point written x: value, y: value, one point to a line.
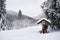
x: 30, y: 33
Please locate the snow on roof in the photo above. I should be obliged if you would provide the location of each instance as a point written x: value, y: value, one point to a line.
x: 44, y: 19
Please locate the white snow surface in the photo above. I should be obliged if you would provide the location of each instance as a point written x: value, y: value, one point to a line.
x: 30, y: 33
x: 44, y: 19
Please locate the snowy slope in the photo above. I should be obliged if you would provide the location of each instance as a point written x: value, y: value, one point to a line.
x: 30, y: 33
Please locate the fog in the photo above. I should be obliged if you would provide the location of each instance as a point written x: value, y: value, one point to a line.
x: 29, y: 7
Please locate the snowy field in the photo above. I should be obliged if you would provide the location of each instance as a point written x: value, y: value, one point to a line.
x: 30, y: 33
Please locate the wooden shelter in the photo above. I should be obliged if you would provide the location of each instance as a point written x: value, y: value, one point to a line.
x: 45, y: 22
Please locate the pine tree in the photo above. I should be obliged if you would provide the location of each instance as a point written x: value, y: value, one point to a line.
x: 4, y: 24
x: 52, y: 10
x: 20, y: 14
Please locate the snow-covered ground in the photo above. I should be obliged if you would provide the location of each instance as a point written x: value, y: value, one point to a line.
x: 30, y: 33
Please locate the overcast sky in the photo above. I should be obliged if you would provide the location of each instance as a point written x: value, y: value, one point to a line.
x: 29, y: 7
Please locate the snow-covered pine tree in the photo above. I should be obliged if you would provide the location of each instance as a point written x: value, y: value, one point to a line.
x: 20, y: 14
x: 52, y: 10
x: 4, y: 24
